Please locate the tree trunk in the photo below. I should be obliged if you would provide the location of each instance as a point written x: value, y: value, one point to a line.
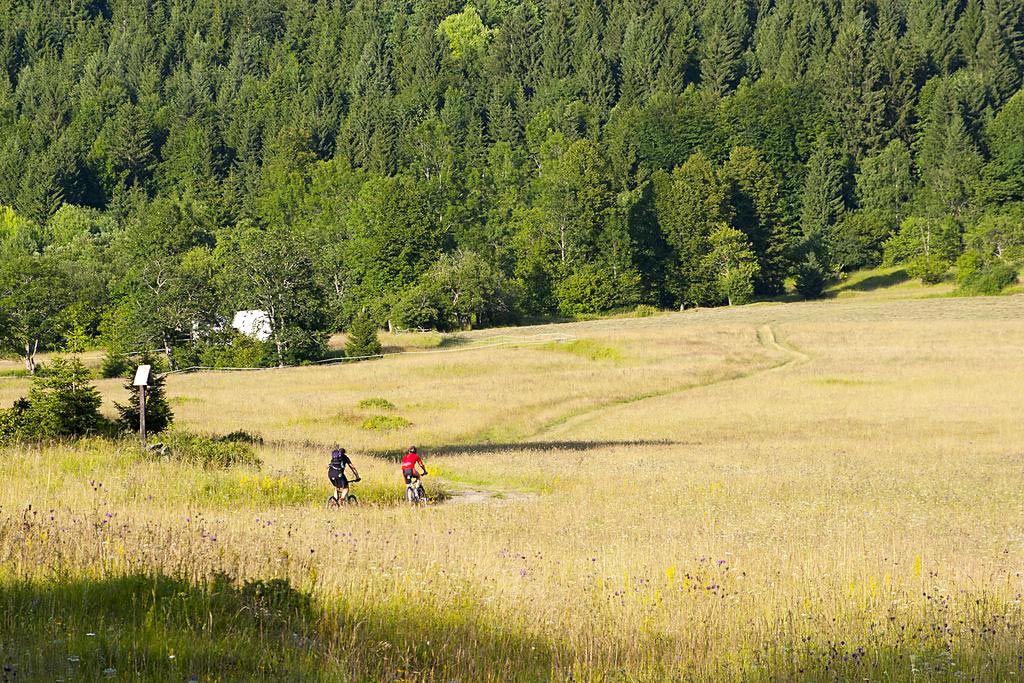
x: 169, y: 354
x: 30, y: 356
x: 280, y: 351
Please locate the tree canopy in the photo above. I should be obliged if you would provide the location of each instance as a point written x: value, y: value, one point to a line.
x: 165, y: 163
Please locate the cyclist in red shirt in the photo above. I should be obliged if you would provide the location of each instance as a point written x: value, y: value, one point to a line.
x: 409, y: 463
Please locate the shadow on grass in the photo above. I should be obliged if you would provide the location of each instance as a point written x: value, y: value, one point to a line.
x: 516, y: 446
x: 872, y: 283
x: 155, y: 627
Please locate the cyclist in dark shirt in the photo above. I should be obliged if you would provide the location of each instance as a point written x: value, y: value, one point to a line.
x: 336, y: 472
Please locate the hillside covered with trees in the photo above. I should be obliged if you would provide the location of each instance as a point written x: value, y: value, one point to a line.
x: 164, y: 163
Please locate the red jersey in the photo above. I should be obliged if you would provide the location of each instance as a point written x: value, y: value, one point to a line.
x: 410, y: 460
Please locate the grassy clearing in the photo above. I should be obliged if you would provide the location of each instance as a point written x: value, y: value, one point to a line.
x: 843, y: 504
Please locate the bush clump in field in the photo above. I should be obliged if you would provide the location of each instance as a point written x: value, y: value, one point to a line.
x: 978, y: 273
x: 645, y: 311
x: 385, y: 423
x: 62, y: 404
x: 242, y: 436
x: 995, y: 252
x: 208, y: 452
x: 226, y: 350
x: 376, y: 403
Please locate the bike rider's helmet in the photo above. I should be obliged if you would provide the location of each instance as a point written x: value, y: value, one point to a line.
x: 412, y: 449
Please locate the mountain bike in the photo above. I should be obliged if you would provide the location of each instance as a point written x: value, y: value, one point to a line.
x: 350, y: 499
x: 414, y: 492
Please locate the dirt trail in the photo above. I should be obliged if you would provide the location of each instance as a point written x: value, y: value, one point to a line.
x: 471, y: 496
x: 765, y: 337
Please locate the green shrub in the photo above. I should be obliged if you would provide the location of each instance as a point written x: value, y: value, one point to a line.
x: 116, y: 365
x: 211, y: 453
x: 11, y: 421
x: 593, y: 288
x: 930, y: 268
x: 858, y: 240
x: 376, y: 404
x: 422, y: 307
x: 227, y: 349
x: 977, y: 274
x: 385, y: 423
x: 934, y: 239
x: 460, y: 291
x: 236, y: 351
x: 644, y: 311
x: 242, y: 436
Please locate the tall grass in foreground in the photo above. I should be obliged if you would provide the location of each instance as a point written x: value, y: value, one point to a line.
x: 85, y: 594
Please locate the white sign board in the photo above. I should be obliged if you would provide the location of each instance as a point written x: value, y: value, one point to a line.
x: 142, y: 376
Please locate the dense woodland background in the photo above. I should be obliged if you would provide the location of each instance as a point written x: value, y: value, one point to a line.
x: 436, y: 164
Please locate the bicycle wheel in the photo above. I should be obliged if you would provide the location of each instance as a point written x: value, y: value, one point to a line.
x: 421, y: 495
x: 351, y: 500
x: 410, y: 495
x: 332, y: 502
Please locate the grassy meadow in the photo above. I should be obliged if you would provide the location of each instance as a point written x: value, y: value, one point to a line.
x: 808, y: 491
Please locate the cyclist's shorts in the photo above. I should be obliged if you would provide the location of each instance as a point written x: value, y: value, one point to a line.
x: 340, y: 481
x: 410, y: 475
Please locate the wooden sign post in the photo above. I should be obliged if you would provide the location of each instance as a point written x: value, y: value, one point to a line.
x: 142, y: 381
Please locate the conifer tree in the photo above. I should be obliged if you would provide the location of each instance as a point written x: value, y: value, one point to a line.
x: 721, y: 46
x: 823, y: 206
x: 159, y: 414
x: 994, y: 57
x: 362, y: 337
x: 853, y: 94
x: 593, y: 72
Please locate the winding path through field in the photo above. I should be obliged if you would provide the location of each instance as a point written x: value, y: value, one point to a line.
x: 765, y: 337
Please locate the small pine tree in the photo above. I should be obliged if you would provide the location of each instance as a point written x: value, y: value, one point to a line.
x: 362, y: 338
x: 159, y: 415
x: 810, y: 277
x: 62, y: 403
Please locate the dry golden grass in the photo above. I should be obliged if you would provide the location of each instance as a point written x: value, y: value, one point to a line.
x: 803, y: 491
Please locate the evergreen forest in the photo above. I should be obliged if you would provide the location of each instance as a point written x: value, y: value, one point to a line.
x: 435, y: 164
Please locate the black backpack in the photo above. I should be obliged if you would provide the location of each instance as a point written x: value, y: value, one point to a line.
x: 338, y: 462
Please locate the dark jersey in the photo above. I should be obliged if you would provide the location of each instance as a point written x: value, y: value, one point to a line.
x: 338, y: 462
